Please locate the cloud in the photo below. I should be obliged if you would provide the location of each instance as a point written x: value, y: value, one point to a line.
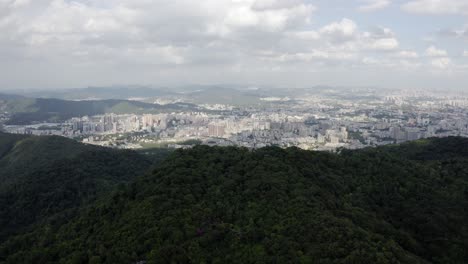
x: 340, y: 31
x: 270, y: 16
x: 338, y: 44
x: 102, y: 41
x: 14, y: 3
x: 437, y: 7
x: 454, y: 33
x: 206, y: 33
x: 380, y: 38
x: 373, y: 5
x: 439, y: 58
x: 406, y: 54
x: 441, y: 63
x: 385, y: 44
x: 309, y: 35
x: 314, y: 55
x: 370, y: 61
x: 465, y: 53
x: 435, y: 52
x: 58, y: 27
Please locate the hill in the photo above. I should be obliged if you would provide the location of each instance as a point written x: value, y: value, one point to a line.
x: 28, y: 110
x: 41, y: 177
x: 221, y: 95
x: 4, y: 96
x: 101, y: 93
x: 396, y: 204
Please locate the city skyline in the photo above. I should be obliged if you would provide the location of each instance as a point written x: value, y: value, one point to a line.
x: 322, y: 119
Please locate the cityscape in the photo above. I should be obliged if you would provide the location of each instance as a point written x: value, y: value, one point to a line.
x: 313, y: 121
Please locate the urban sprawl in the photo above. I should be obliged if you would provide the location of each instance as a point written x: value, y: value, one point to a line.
x: 316, y: 122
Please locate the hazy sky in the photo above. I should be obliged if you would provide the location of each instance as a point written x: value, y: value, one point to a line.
x: 293, y: 43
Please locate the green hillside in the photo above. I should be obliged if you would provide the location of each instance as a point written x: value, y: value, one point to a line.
x: 27, y: 110
x: 42, y: 177
x: 396, y: 204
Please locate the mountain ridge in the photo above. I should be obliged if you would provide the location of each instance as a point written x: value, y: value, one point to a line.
x: 26, y: 111
x: 214, y: 204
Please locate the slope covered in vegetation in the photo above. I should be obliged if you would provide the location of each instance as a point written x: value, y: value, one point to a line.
x: 29, y: 110
x: 396, y: 204
x: 44, y: 176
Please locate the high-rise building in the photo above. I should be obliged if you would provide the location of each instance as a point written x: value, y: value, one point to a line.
x: 216, y: 130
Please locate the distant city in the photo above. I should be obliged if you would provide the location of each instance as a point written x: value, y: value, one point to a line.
x: 313, y: 120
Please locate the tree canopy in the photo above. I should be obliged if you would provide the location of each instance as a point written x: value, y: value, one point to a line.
x: 397, y: 204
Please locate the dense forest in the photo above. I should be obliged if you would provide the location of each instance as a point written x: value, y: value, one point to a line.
x: 395, y: 204
x: 41, y: 177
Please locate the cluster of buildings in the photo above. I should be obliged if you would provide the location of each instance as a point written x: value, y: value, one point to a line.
x: 312, y: 121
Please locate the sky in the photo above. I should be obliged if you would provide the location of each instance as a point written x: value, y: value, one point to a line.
x: 401, y: 44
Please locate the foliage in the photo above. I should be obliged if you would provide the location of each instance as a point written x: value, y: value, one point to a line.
x: 41, y: 177
x: 397, y: 204
x: 357, y: 136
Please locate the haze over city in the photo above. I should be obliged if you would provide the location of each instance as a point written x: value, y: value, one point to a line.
x: 397, y: 44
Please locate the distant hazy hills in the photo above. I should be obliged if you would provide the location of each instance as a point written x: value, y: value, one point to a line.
x: 4, y: 96
x: 53, y: 106
x: 394, y: 204
x: 229, y: 96
x: 98, y: 93
x: 199, y: 94
x: 29, y: 110
x: 26, y: 110
x: 190, y: 94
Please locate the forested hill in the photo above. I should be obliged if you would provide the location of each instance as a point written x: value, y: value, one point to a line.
x: 396, y: 204
x: 41, y: 177
x: 29, y: 110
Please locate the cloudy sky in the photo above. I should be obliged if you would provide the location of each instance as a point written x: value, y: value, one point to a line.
x: 407, y: 44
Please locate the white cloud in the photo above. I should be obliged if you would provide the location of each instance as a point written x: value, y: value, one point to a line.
x: 305, y: 35
x: 154, y: 39
x: 338, y: 43
x: 380, y: 39
x: 435, y: 52
x: 406, y: 54
x: 385, y: 44
x: 373, y: 5
x: 14, y: 3
x: 437, y: 7
x: 441, y: 63
x: 315, y: 55
x: 340, y: 31
x: 465, y: 53
x: 264, y: 15
x: 370, y: 61
x: 272, y: 4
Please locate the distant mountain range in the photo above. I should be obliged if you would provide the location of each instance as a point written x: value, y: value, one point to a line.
x: 56, y: 106
x: 26, y: 110
x: 229, y: 96
x: 51, y: 107
x: 192, y: 94
x: 197, y: 94
x: 98, y: 93
x: 4, y: 96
